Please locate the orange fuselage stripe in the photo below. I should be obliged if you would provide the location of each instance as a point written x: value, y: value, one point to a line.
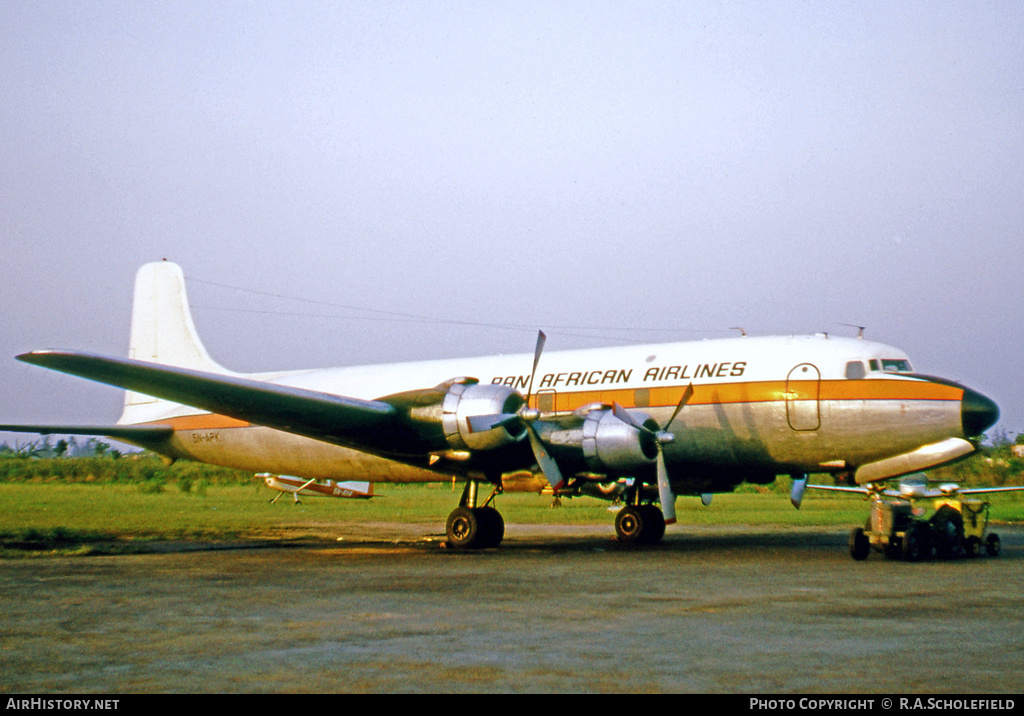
x: 759, y: 392
x: 668, y: 396
x: 204, y: 421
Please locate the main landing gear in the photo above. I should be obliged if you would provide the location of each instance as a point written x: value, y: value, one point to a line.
x: 472, y: 527
x: 638, y: 523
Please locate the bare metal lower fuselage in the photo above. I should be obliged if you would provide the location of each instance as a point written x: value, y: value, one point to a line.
x: 716, y: 446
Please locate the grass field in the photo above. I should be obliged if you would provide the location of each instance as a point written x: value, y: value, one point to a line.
x: 87, y: 518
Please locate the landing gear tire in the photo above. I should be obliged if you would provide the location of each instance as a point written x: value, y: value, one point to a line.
x: 463, y: 528
x: 947, y: 528
x: 640, y: 524
x: 915, y: 544
x: 629, y: 524
x: 474, y: 528
x: 992, y: 545
x: 492, y: 527
x: 655, y: 524
x: 860, y: 546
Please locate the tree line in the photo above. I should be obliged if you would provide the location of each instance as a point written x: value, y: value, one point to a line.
x: 94, y: 461
x: 1001, y: 462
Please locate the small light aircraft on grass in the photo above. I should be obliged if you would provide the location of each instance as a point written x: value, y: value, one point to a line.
x: 692, y: 418
x: 313, y: 487
x: 897, y: 527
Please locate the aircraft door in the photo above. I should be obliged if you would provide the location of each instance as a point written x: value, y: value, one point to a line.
x: 803, y: 385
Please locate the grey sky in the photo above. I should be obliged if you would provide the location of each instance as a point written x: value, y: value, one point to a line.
x: 607, y: 171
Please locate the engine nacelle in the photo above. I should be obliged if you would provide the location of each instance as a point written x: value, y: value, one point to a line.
x: 609, y: 444
x: 468, y: 399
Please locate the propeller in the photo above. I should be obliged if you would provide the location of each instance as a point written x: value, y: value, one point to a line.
x: 661, y: 437
x: 526, y: 416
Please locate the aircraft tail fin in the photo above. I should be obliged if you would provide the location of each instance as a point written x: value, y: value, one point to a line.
x: 162, y: 332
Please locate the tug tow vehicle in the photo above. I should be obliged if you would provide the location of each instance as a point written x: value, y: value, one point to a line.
x: 897, y: 527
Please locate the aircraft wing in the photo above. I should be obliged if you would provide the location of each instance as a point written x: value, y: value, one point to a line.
x: 889, y: 492
x: 370, y: 425
x: 921, y: 493
x: 836, y: 488
x: 982, y: 490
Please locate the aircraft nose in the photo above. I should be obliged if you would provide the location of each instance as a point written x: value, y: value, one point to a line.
x: 978, y: 413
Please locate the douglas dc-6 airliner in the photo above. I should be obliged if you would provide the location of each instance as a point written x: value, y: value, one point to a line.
x: 651, y: 421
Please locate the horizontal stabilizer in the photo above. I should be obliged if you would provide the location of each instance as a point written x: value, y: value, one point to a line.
x: 322, y: 416
x: 118, y: 432
x: 150, y: 437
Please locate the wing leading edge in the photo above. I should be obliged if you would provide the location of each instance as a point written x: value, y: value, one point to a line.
x: 369, y: 425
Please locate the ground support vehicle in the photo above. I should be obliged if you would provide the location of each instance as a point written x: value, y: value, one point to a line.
x: 893, y: 529
x: 972, y: 518
x: 957, y: 528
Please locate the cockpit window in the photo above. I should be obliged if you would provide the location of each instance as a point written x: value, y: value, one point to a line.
x: 892, y: 365
x: 885, y: 365
x: 855, y: 370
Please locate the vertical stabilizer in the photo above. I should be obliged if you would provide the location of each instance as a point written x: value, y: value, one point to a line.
x: 162, y: 332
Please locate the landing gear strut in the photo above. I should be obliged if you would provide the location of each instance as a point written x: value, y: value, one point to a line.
x: 472, y: 527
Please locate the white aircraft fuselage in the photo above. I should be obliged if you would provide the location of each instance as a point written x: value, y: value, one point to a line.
x: 761, y: 407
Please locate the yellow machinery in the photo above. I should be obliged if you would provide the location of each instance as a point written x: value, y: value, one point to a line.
x: 896, y: 528
x: 974, y: 519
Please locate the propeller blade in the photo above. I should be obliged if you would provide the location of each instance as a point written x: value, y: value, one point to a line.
x: 547, y: 464
x: 665, y: 494
x: 622, y: 414
x: 483, y: 423
x: 796, y: 495
x: 687, y: 394
x: 668, y: 499
x: 541, y: 340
